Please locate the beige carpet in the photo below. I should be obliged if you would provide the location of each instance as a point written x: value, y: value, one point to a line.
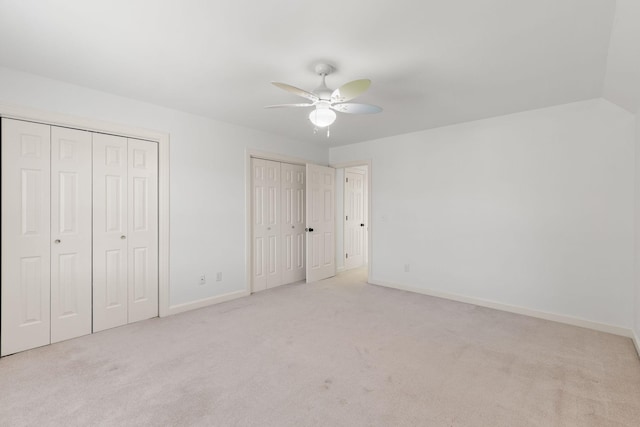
x: 334, y: 353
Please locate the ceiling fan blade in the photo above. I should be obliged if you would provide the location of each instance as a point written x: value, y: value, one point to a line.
x: 350, y: 90
x: 288, y: 105
x: 296, y: 91
x: 353, y: 108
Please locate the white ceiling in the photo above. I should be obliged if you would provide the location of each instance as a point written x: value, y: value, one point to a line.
x: 431, y: 62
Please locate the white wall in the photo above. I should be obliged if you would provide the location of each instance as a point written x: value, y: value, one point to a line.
x: 207, y: 175
x: 622, y: 86
x: 637, y: 235
x: 532, y: 209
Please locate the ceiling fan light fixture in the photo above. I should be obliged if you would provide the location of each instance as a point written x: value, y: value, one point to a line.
x: 325, y: 102
x: 322, y: 117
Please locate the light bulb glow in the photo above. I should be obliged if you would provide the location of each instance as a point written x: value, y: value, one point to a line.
x: 322, y: 117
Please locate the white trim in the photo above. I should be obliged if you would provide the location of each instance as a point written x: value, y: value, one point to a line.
x: 569, y: 320
x: 275, y: 157
x: 369, y: 165
x: 205, y: 302
x: 164, y: 225
x: 636, y: 342
x: 162, y: 138
x: 248, y: 205
x: 82, y: 123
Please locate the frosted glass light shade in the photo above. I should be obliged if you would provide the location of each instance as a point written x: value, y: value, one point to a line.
x: 322, y: 117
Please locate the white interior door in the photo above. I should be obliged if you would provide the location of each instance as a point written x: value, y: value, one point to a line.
x: 142, y: 235
x: 267, y: 271
x: 354, y: 226
x: 109, y: 231
x: 293, y: 220
x: 70, y: 233
x: 320, y: 194
x: 26, y: 248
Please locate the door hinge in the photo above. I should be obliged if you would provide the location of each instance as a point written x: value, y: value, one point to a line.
x: 346, y: 218
x: 347, y: 179
x: 347, y: 255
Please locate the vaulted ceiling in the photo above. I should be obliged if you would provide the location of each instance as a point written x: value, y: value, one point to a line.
x: 431, y: 62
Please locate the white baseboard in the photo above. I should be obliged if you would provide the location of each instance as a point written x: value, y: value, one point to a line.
x: 569, y: 320
x: 340, y: 269
x: 205, y: 302
x: 636, y: 341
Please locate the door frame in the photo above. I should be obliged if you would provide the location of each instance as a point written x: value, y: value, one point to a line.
x: 368, y: 164
x: 99, y: 126
x: 256, y: 154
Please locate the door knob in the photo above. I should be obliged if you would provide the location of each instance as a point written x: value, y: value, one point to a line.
x: 123, y: 237
x: 361, y: 225
x: 56, y: 241
x: 293, y: 226
x: 308, y: 229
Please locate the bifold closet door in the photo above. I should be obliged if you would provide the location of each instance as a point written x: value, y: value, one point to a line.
x: 125, y: 231
x: 110, y: 291
x: 70, y: 233
x: 79, y: 231
x: 267, y: 271
x: 142, y: 237
x: 26, y: 273
x: 293, y: 219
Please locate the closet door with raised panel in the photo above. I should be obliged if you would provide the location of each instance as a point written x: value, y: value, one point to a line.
x: 320, y: 193
x: 26, y: 236
x: 293, y: 218
x: 267, y: 271
x: 70, y: 233
x: 142, y: 236
x: 110, y: 227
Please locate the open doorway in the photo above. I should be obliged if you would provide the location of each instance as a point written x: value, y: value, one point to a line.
x: 353, y: 208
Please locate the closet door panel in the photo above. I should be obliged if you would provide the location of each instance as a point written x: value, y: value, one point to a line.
x: 267, y: 260
x: 70, y: 233
x: 110, y: 217
x: 293, y: 219
x: 142, y: 236
x: 272, y: 209
x: 258, y: 226
x: 26, y: 236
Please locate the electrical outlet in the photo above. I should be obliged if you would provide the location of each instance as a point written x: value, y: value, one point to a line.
x: 203, y: 279
x: 407, y: 268
x: 219, y: 276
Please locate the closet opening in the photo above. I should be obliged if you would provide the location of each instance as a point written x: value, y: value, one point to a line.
x: 290, y: 217
x: 59, y: 174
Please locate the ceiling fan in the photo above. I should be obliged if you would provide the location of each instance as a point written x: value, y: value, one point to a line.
x: 327, y: 101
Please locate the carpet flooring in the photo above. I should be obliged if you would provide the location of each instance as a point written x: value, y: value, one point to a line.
x: 338, y: 352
